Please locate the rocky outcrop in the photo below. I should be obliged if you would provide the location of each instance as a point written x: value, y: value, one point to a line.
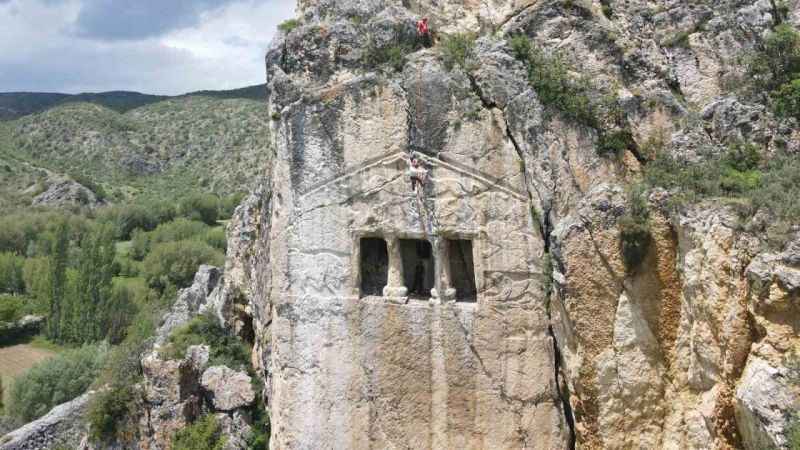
x: 171, y: 389
x: 227, y: 388
x: 28, y: 325
x: 65, y: 193
x: 61, y: 427
x: 191, y: 301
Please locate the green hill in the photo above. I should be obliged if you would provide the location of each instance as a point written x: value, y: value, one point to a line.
x: 163, y: 149
x: 14, y: 105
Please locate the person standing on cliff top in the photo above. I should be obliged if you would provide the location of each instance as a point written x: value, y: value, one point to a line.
x: 424, y: 32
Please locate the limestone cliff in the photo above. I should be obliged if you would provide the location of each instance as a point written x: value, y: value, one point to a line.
x: 449, y: 247
x: 561, y: 344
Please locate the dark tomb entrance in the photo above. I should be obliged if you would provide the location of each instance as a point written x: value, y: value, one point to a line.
x: 418, y: 269
x: 462, y: 270
x: 374, y: 266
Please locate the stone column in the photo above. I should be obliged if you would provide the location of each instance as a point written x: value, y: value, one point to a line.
x: 442, y: 290
x: 395, y: 284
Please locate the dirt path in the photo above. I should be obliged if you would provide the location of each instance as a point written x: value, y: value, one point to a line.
x: 16, y: 359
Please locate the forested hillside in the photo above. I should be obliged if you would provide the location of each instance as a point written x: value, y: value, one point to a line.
x: 108, y: 210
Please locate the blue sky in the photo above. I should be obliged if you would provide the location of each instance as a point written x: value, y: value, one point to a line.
x: 151, y: 46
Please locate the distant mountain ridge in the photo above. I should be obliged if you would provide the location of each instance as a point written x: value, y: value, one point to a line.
x: 14, y: 105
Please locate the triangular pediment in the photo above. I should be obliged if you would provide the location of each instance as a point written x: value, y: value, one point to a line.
x: 430, y: 162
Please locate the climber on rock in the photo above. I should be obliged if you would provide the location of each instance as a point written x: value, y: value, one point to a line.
x: 417, y: 173
x: 424, y: 32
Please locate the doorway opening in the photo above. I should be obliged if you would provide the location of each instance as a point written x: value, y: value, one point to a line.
x: 374, y: 266
x: 462, y: 270
x: 418, y: 267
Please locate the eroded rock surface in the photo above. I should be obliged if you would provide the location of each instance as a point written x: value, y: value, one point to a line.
x: 62, y: 427
x: 564, y: 346
x: 227, y: 388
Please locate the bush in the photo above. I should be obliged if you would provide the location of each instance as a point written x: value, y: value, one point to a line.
x: 635, y: 230
x: 228, y: 205
x: 11, y: 308
x: 550, y: 78
x: 216, y: 238
x: 203, y: 434
x: 615, y: 142
x: 176, y: 262
x: 202, y: 207
x: 740, y: 176
x: 288, y: 25
x: 205, y: 329
x: 794, y: 433
x: 55, y: 381
x: 11, y: 273
x: 108, y: 410
x: 786, y: 100
x: 140, y: 244
x: 520, y: 47
x: 392, y: 56
x: 778, y: 62
x: 458, y: 50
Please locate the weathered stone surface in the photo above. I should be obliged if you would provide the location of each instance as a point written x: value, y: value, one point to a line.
x: 764, y: 402
x: 61, y: 193
x: 189, y: 302
x: 62, y: 426
x: 171, y: 391
x: 648, y: 357
x: 227, y: 389
x: 230, y: 300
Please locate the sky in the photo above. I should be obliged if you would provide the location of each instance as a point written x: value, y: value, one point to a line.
x: 152, y: 46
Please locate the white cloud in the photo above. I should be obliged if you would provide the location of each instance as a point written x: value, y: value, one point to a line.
x: 225, y: 48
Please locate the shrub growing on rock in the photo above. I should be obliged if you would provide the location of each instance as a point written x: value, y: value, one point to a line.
x: 635, y: 229
x: 786, y: 99
x: 203, y: 434
x: 288, y: 25
x: 205, y: 329
x: 778, y: 62
x: 458, y: 50
x: 108, y: 410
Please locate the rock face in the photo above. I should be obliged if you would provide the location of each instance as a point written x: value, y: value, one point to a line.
x: 436, y: 261
x: 61, y: 427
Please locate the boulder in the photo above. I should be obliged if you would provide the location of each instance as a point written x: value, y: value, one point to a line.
x: 227, y: 388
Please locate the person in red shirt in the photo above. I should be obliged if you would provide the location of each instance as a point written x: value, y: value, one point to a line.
x: 424, y: 32
x: 422, y: 27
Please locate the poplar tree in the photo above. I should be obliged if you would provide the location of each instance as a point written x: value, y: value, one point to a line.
x: 58, y: 280
x: 94, y: 283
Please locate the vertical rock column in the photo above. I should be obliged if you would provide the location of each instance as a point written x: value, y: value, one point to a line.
x: 395, y: 286
x: 443, y: 286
